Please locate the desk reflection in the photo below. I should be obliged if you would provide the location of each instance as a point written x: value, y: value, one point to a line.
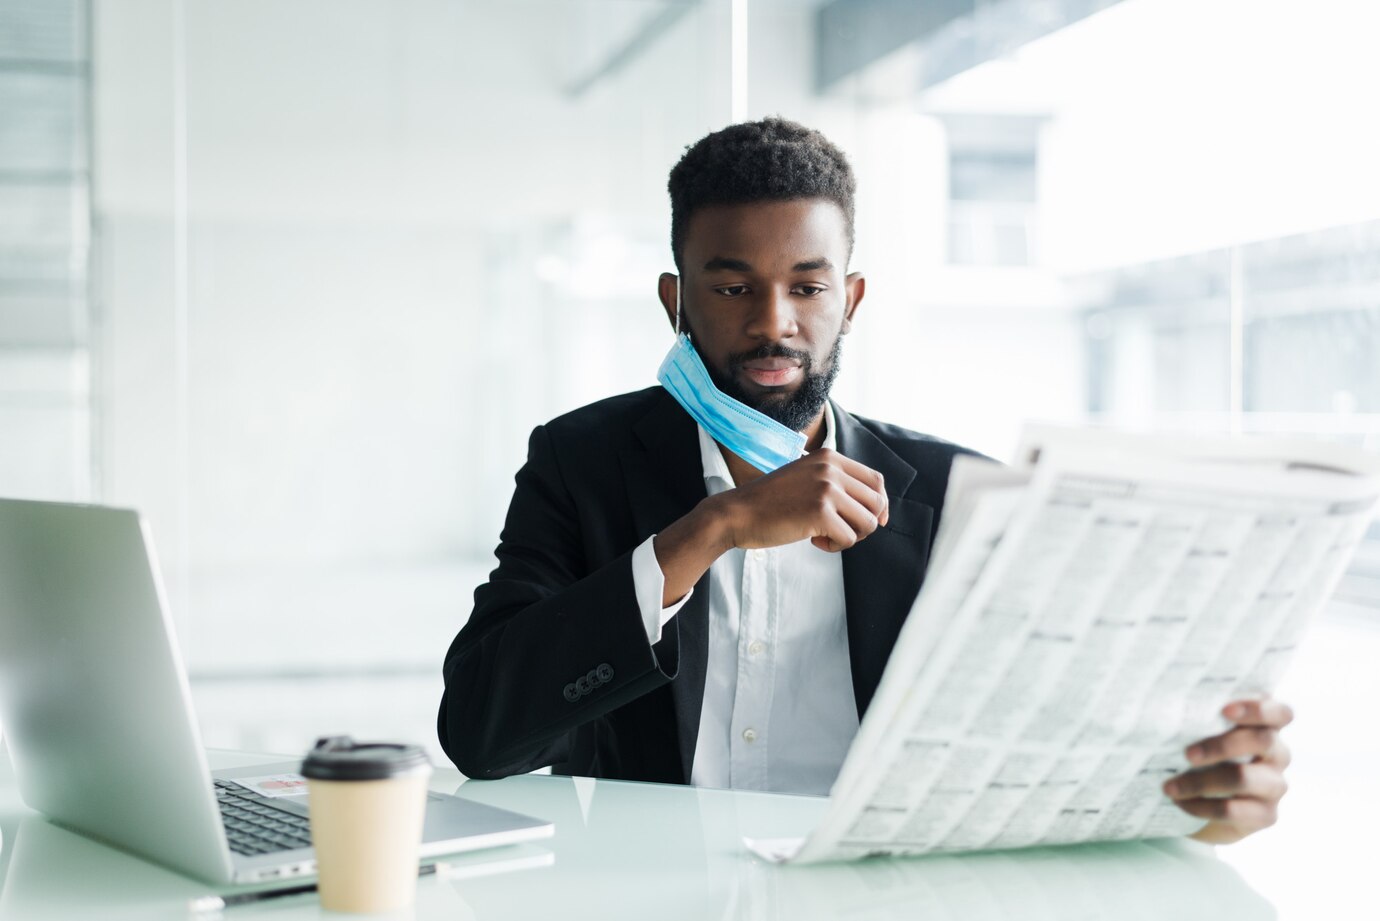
x: 48, y: 873
x: 637, y: 850
x: 55, y: 873
x: 626, y: 850
x: 1122, y: 881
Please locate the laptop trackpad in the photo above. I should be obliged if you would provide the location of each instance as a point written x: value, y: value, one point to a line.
x: 297, y: 805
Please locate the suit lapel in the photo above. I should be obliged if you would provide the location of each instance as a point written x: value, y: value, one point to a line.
x: 881, y: 574
x: 665, y: 480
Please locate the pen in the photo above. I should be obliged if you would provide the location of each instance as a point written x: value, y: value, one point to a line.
x: 208, y: 903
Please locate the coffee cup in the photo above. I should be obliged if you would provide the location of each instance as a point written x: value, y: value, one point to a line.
x: 367, y: 802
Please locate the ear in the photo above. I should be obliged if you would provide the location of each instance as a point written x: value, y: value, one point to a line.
x: 666, y: 291
x: 854, y: 287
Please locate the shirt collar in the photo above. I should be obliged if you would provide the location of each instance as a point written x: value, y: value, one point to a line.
x: 712, y: 459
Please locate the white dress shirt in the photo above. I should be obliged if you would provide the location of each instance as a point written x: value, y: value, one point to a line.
x: 778, y: 711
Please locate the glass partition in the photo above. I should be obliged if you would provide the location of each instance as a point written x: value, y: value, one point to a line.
x: 47, y: 414
x: 351, y: 253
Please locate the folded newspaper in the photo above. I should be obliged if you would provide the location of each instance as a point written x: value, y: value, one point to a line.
x: 1086, y: 616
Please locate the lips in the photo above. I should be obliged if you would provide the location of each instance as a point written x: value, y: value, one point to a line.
x: 772, y: 372
x: 770, y: 364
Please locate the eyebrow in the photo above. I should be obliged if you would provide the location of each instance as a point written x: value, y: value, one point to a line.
x: 727, y: 264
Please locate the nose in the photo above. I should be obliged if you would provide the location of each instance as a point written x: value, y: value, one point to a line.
x: 773, y: 317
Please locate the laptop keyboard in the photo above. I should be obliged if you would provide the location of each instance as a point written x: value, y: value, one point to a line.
x: 255, y: 827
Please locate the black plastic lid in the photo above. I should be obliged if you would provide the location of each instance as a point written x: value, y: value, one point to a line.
x: 342, y: 758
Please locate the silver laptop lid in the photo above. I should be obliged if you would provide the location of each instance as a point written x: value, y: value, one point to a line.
x: 93, y: 696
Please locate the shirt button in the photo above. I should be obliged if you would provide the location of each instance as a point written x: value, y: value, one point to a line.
x: 755, y: 647
x: 758, y: 555
x: 749, y: 735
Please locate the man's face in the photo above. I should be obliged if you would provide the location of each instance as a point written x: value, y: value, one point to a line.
x: 766, y: 301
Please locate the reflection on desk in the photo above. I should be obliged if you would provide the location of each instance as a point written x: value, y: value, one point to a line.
x: 626, y: 850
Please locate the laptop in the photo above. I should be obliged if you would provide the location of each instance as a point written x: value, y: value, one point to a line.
x: 98, y: 717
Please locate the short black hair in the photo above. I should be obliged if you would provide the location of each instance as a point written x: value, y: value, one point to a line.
x: 769, y: 160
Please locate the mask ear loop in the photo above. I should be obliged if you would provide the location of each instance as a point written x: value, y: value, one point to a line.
x: 679, y: 306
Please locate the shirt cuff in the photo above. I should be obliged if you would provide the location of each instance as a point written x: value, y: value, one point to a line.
x: 649, y: 582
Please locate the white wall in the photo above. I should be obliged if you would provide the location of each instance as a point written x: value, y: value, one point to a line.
x: 380, y: 208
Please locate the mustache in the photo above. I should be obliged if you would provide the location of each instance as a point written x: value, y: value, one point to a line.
x: 770, y: 350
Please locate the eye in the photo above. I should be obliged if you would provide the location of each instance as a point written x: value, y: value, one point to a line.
x: 732, y: 290
x: 809, y: 290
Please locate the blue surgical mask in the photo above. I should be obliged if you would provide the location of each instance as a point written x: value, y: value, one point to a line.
x: 758, y: 439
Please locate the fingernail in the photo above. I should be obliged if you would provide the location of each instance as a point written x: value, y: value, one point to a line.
x: 1235, y: 711
x: 1194, y: 753
x: 1171, y: 788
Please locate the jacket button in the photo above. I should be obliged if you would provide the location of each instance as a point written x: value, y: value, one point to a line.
x: 572, y: 693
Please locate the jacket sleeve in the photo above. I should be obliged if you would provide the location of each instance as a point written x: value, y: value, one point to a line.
x: 550, y: 645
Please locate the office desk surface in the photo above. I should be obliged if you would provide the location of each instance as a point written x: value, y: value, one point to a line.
x: 627, y: 850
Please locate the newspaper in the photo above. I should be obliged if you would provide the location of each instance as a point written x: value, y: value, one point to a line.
x: 1086, y: 616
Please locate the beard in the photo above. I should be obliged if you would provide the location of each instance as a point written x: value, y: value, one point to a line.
x: 796, y: 409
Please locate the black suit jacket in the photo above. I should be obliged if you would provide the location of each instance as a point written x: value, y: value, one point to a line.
x: 553, y: 666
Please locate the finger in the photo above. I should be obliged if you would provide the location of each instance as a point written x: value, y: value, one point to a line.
x: 839, y: 533
x: 1242, y: 812
x: 1272, y: 713
x: 1279, y: 755
x: 1241, y: 742
x: 868, y: 486
x: 865, y: 496
x: 859, y: 517
x: 1260, y: 781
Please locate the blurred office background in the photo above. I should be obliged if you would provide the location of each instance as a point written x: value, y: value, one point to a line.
x: 297, y: 279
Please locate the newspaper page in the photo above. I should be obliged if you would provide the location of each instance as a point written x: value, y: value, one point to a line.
x: 1083, y: 621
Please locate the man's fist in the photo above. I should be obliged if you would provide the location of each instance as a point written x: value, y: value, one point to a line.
x: 830, y: 499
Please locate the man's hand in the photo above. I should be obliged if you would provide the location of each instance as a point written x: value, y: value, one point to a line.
x: 826, y: 497
x: 830, y: 499
x: 1237, y: 777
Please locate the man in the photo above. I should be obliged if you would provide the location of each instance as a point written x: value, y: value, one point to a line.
x: 681, y: 595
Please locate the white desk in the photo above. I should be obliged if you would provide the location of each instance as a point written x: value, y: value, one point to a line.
x: 625, y: 850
